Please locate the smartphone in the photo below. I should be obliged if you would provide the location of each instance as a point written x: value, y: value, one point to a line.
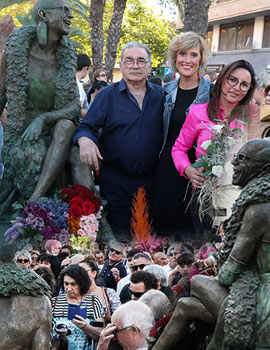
x: 75, y: 309
x: 97, y: 324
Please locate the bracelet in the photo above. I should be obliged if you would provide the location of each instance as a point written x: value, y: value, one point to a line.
x: 83, y: 326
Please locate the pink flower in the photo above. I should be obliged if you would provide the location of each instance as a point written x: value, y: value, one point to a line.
x: 81, y: 232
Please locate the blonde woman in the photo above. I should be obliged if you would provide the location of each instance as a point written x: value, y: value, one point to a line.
x: 187, y: 53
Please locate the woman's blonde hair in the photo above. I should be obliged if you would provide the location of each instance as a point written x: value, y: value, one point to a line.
x: 186, y: 41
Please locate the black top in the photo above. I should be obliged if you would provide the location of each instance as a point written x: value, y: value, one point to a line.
x: 107, y: 275
x: 169, y: 207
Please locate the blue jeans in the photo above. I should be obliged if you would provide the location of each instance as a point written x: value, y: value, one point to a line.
x: 1, y: 144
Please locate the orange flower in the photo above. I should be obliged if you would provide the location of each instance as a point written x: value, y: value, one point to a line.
x: 73, y: 225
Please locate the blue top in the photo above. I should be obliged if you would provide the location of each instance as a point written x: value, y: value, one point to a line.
x: 130, y: 138
x: 203, y: 96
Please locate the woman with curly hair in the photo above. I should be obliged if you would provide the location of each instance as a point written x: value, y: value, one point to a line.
x: 76, y: 308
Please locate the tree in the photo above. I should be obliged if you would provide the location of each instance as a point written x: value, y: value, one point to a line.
x: 196, y: 16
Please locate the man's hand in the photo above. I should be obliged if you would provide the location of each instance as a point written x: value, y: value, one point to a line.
x: 106, y: 336
x: 116, y: 273
x: 89, y: 153
x: 195, y: 175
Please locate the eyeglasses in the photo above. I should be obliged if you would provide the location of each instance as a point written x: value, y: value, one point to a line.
x: 34, y: 257
x: 136, y: 294
x: 102, y: 75
x: 115, y: 251
x: 129, y: 62
x: 233, y: 81
x: 136, y: 267
x: 242, y: 157
x: 23, y: 261
x: 122, y: 329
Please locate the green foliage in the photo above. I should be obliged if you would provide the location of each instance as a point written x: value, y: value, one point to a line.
x: 142, y: 25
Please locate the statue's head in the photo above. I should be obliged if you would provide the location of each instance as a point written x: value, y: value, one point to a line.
x: 54, y: 13
x: 250, y: 161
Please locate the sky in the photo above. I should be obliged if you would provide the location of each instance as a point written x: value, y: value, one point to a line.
x: 154, y: 4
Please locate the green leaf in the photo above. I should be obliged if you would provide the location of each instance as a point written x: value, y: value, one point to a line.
x: 38, y: 237
x: 240, y: 121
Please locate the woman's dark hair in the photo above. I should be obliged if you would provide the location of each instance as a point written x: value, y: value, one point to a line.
x: 79, y: 274
x: 59, y: 342
x: 242, y: 110
x: 47, y: 275
x: 54, y: 261
x: 91, y: 264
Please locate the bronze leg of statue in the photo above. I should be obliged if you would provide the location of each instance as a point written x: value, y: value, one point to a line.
x: 56, y: 157
x: 206, y: 298
x: 187, y: 310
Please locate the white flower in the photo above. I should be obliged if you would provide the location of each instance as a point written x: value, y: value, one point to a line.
x: 217, y: 128
x: 206, y: 144
x: 217, y: 170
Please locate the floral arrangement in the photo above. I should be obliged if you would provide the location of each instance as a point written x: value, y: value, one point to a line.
x: 219, y: 150
x: 156, y: 331
x: 73, y: 213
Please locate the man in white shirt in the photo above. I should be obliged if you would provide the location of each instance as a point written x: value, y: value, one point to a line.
x: 83, y: 64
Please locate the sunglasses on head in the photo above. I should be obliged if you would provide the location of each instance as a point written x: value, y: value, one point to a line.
x: 135, y: 267
x: 115, y: 251
x: 23, y: 261
x: 136, y: 294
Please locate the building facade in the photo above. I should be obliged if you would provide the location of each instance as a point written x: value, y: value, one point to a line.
x: 239, y: 29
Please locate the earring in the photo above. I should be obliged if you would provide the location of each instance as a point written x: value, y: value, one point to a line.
x: 42, y: 34
x: 199, y: 73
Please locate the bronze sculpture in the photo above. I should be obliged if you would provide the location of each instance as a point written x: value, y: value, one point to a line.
x: 239, y: 300
x: 38, y: 84
x: 25, y: 307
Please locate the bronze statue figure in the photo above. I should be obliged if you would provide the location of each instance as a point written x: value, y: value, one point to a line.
x: 238, y: 301
x: 39, y: 86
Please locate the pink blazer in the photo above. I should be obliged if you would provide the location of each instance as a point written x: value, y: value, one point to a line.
x: 192, y: 130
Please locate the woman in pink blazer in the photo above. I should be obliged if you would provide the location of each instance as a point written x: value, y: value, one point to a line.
x: 234, y: 88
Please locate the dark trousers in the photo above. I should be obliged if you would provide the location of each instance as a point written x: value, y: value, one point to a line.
x: 119, y: 190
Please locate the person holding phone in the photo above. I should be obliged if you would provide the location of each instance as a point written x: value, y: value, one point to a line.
x: 79, y: 310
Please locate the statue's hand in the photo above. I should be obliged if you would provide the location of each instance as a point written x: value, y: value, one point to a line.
x: 34, y: 129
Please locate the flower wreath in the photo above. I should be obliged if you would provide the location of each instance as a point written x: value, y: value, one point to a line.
x: 156, y: 331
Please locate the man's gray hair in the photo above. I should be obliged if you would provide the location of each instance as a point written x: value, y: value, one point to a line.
x: 157, y: 301
x: 136, y: 44
x: 135, y: 313
x: 263, y: 79
x: 143, y: 255
x: 158, y: 272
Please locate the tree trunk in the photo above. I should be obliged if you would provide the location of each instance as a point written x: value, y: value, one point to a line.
x: 97, y: 35
x: 196, y: 16
x: 114, y: 35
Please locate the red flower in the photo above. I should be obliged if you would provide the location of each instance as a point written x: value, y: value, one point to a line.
x: 75, y: 211
x: 153, y: 332
x: 88, y: 207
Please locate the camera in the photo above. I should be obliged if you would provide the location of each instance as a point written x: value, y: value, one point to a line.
x: 96, y: 324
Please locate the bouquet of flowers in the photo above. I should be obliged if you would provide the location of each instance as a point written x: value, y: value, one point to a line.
x: 156, y: 330
x: 219, y: 150
x: 76, y: 211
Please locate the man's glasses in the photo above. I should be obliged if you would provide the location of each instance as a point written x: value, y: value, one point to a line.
x: 242, y: 157
x: 115, y: 251
x: 23, y: 261
x: 136, y: 294
x: 136, y: 267
x: 129, y: 62
x: 34, y: 258
x: 233, y: 81
x: 122, y: 329
x: 62, y: 8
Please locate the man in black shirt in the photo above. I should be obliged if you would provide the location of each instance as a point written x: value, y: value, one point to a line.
x: 114, y: 269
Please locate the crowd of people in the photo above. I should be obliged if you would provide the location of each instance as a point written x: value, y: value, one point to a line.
x: 94, y: 290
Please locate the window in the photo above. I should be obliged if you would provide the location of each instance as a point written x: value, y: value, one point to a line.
x: 209, y: 36
x: 266, y: 32
x: 236, y: 36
